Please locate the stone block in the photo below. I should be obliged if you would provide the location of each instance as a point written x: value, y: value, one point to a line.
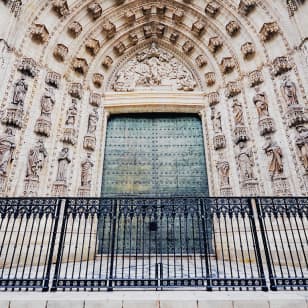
x: 33, y: 303
x: 103, y: 303
x: 65, y: 303
x: 179, y: 302
x: 251, y: 303
x: 4, y: 303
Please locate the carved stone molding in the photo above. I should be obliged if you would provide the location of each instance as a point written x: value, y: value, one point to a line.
x: 53, y: 79
x: 215, y: 43
x: 39, y: 33
x: 255, y: 78
x: 269, y: 30
x: 233, y: 28
x: 219, y: 141
x: 210, y: 78
x: 75, y: 90
x: 28, y: 67
x: 93, y: 46
x: 95, y: 10
x: 74, y: 29
x: 61, y: 7
x: 60, y: 52
x: 212, y: 8
x: 97, y: 80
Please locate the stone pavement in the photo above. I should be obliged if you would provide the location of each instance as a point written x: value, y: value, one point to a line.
x: 150, y: 299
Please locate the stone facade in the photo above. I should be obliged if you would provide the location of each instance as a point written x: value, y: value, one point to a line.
x: 65, y: 66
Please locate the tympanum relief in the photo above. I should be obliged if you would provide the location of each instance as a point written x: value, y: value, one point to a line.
x: 157, y: 68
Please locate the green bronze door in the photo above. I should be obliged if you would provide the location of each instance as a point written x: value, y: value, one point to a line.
x: 154, y: 155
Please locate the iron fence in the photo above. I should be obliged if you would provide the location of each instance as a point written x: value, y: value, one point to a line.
x: 106, y: 244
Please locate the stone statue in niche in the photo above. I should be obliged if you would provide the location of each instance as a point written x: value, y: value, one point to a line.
x: 43, y: 123
x: 240, y: 131
x: 266, y: 123
x: 20, y: 91
x: 36, y: 160
x: 274, y: 152
x: 154, y: 67
x: 217, y: 123
x: 69, y: 135
x: 245, y: 162
x: 14, y: 112
x: 60, y: 186
x: 63, y: 162
x: 7, y: 148
x: 289, y: 92
x: 302, y: 145
x: 219, y: 137
x: 92, y: 121
x: 86, y: 171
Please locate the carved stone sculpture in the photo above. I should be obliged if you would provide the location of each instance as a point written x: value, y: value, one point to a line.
x: 7, y: 147
x: 224, y: 177
x: 266, y: 123
x: 14, y: 112
x: 43, y: 123
x: 219, y: 138
x: 69, y: 135
x: 302, y: 145
x: 245, y: 162
x: 90, y: 140
x: 217, y: 123
x: 60, y: 186
x: 240, y: 131
x: 36, y: 160
x: 289, y: 92
x: 274, y: 152
x: 154, y: 68
x: 86, y: 176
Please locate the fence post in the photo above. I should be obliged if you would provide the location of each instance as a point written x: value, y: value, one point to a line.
x: 112, y: 255
x: 254, y: 218
x: 60, y: 247
x: 52, y: 245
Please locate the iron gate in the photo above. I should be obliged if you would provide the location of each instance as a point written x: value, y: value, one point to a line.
x: 106, y: 244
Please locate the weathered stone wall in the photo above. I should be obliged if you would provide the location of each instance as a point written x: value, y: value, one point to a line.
x: 242, y: 65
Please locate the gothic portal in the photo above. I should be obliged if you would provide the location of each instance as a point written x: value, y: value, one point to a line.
x: 153, y: 98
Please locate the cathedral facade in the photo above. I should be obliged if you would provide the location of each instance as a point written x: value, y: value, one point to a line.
x: 153, y: 98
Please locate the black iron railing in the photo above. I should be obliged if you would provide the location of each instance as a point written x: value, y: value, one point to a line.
x: 106, y: 244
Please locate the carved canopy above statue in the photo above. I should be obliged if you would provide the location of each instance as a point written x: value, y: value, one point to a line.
x: 153, y: 69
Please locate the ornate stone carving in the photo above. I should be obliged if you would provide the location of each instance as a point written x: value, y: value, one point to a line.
x: 89, y: 142
x: 39, y: 33
x: 212, y: 8
x: 86, y: 176
x: 215, y: 43
x: 28, y: 67
x: 233, y: 88
x: 219, y: 139
x: 107, y: 62
x: 201, y: 61
x: 240, y: 131
x: 147, y: 31
x: 74, y: 29
x: 255, y: 78
x: 60, y: 186
x: 109, y: 29
x: 246, y: 6
x: 14, y: 112
x: 133, y: 38
x: 60, y: 52
x: 95, y: 99
x: 75, y: 90
x: 43, y: 123
x: 146, y: 10
x: 97, y: 80
x: 53, y: 79
x: 269, y: 30
x: 198, y: 27
x: 69, y: 134
x: 248, y: 50
x: 160, y: 30
x: 223, y: 168
x: 227, y: 65
x: 174, y: 36
x: 130, y: 16
x: 80, y: 66
x: 178, y: 15
x: 210, y: 78
x: 161, y: 9
x: 213, y: 98
x: 36, y: 160
x: 188, y: 47
x: 95, y: 10
x: 233, y: 28
x: 7, y: 148
x: 266, y: 123
x: 61, y: 7
x: 281, y: 65
x: 302, y: 145
x: 119, y: 48
x: 153, y: 67
x: 93, y: 46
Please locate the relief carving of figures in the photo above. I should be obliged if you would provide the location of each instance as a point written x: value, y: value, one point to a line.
x: 7, y: 147
x: 154, y: 67
x: 238, y: 113
x: 289, y: 92
x: 92, y: 122
x: 302, y: 145
x: 63, y: 162
x: 217, y: 123
x: 246, y: 162
x: 20, y: 91
x: 71, y: 113
x: 36, y: 160
x: 274, y: 152
x: 86, y: 171
x: 43, y: 124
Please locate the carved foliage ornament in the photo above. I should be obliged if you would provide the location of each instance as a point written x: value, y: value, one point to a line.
x: 154, y: 67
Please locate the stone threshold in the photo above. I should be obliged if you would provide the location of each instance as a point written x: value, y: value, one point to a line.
x: 149, y: 299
